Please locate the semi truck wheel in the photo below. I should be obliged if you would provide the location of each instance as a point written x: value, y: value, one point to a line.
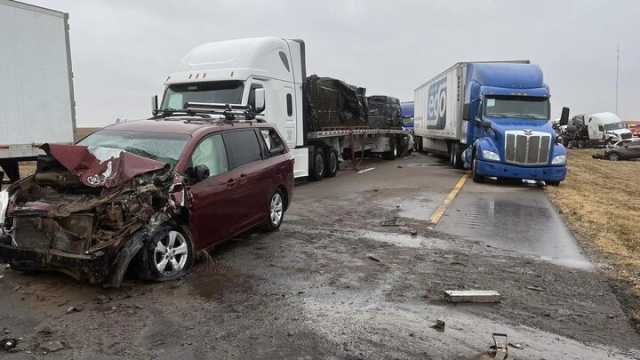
x: 474, y: 171
x: 317, y: 164
x: 332, y: 165
x: 391, y: 154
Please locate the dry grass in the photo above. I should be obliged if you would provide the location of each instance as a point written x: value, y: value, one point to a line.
x: 601, y: 201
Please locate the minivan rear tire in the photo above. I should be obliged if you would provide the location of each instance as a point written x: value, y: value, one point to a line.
x: 277, y: 208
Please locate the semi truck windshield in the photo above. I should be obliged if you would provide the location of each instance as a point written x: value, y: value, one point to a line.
x: 525, y: 107
x: 222, y: 92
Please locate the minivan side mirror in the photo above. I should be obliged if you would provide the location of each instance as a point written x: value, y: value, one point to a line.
x: 154, y: 105
x: 197, y: 173
x: 259, y: 103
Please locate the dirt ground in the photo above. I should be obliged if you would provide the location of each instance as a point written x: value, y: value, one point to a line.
x: 344, y: 278
x: 601, y: 201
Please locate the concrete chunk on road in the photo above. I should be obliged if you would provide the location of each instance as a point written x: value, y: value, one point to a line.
x: 474, y: 296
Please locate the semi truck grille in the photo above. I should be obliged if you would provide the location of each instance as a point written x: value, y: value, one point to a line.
x: 527, y: 148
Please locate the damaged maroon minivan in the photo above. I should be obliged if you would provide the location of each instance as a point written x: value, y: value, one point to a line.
x: 149, y: 194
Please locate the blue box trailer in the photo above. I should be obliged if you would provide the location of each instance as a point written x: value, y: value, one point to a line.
x: 492, y: 118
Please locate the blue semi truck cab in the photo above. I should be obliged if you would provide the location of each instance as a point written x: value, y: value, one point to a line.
x: 492, y: 118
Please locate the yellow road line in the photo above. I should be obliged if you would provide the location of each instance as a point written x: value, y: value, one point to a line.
x: 437, y: 215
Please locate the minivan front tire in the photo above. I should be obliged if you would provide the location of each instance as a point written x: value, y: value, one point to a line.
x: 168, y: 255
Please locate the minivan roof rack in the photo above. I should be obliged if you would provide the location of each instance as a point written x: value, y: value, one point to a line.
x: 208, y: 111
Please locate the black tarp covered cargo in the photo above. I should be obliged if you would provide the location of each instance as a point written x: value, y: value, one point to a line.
x: 331, y: 103
x: 384, y: 112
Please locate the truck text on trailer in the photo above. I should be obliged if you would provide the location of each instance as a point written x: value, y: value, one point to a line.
x: 228, y: 72
x: 36, y: 99
x: 492, y: 117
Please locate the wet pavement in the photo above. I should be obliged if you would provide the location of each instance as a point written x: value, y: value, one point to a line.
x: 513, y: 217
x: 345, y: 278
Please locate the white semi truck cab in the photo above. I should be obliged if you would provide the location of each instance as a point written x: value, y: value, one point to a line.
x: 229, y: 72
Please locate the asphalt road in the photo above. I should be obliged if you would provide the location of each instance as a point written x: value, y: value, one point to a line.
x: 345, y: 278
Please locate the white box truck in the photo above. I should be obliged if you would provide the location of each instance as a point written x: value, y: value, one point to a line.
x: 229, y: 72
x: 36, y: 83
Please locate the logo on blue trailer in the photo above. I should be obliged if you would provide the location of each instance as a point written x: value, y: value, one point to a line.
x: 437, y: 104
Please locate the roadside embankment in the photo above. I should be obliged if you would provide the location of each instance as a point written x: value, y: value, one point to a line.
x: 600, y: 199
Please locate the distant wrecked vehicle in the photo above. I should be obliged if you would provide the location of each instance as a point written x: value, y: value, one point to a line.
x: 148, y: 193
x: 622, y: 150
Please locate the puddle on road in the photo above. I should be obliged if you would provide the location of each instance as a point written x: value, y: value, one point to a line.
x: 417, y: 208
x: 403, y: 240
x: 525, y: 223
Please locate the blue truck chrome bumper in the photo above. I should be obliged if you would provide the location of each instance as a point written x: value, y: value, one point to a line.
x: 502, y: 170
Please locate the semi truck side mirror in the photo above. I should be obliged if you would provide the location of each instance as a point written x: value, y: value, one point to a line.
x: 259, y: 100
x: 564, y: 118
x: 154, y: 105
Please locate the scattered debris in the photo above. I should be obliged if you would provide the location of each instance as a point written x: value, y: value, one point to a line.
x: 52, y: 346
x: 399, y: 166
x: 500, y: 347
x: 439, y: 325
x: 413, y: 232
x: 535, y: 288
x: 8, y: 344
x: 374, y: 258
x: 475, y: 296
x: 366, y: 170
x: 516, y: 346
x: 390, y: 222
x: 72, y: 309
x: 102, y: 299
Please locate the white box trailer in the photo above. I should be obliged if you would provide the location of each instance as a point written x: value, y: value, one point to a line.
x: 36, y: 82
x: 435, y: 101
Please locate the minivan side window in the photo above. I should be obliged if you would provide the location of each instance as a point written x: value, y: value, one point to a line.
x: 211, y: 153
x: 273, y: 142
x: 242, y: 147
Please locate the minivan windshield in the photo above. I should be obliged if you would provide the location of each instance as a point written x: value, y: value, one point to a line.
x: 162, y: 147
x: 523, y: 107
x: 221, y: 92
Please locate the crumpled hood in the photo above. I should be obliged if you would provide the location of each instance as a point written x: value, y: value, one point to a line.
x: 619, y: 132
x: 109, y: 173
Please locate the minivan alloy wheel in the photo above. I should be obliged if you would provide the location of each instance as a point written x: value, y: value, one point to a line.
x: 276, y: 209
x: 171, y: 253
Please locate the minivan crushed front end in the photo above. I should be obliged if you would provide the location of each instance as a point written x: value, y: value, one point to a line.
x: 83, y: 216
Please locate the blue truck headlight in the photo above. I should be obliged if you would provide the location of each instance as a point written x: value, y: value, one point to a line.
x: 559, y: 160
x: 490, y: 155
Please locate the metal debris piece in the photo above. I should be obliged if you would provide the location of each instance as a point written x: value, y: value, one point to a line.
x: 535, y: 288
x: 52, y: 346
x: 500, y: 346
x: 8, y: 344
x: 516, y: 346
x: 390, y: 222
x: 72, y: 309
x: 475, y: 296
x: 439, y: 325
x: 374, y: 258
x: 413, y: 232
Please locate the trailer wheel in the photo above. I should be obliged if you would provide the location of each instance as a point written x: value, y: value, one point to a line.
x: 391, y: 154
x: 317, y: 164
x: 613, y: 156
x: 332, y: 165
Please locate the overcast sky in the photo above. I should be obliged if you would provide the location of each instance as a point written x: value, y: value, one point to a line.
x: 122, y: 50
